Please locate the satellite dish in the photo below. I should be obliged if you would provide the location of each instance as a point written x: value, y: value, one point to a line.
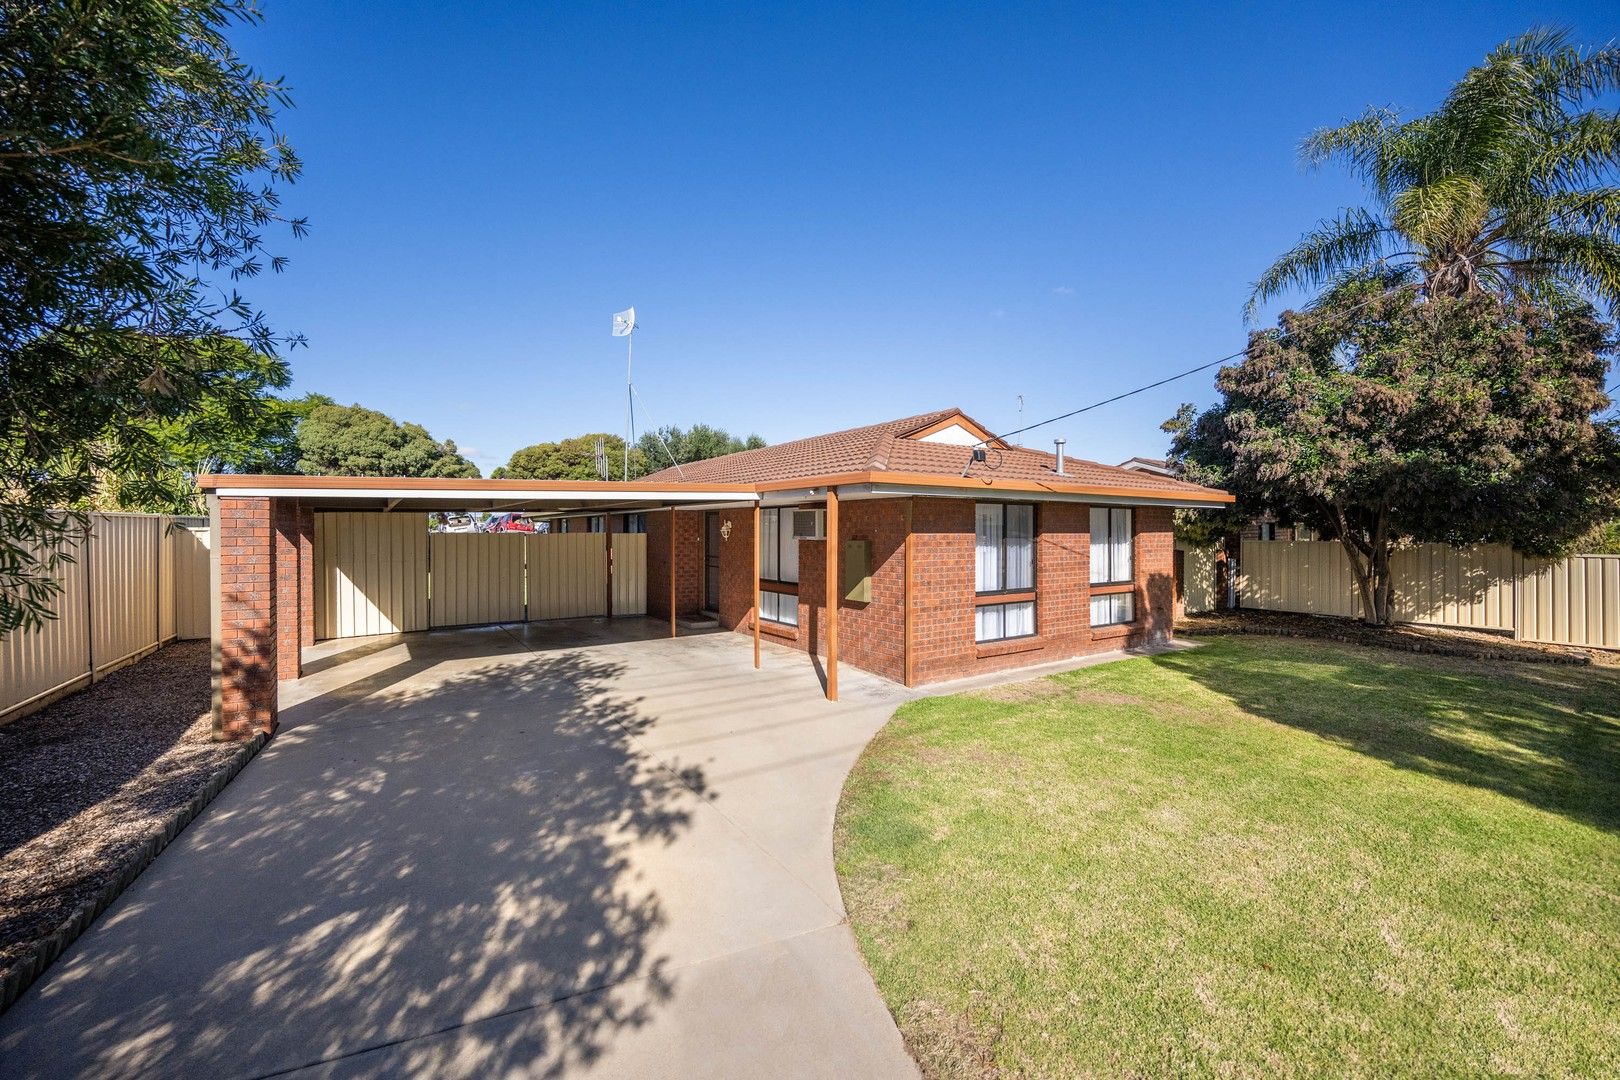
x: 624, y: 322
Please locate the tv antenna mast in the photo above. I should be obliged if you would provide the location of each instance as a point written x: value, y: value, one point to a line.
x: 624, y: 325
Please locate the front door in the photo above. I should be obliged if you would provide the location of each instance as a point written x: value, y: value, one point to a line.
x: 711, y: 561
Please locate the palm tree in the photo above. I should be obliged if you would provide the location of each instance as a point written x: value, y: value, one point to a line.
x: 1508, y: 187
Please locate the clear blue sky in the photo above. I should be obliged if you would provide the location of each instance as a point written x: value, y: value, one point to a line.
x: 824, y: 214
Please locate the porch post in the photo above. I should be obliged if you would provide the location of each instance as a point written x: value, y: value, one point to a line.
x: 832, y: 593
x: 671, y: 571
x: 755, y: 617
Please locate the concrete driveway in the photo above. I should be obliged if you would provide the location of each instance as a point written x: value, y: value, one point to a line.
x: 554, y: 849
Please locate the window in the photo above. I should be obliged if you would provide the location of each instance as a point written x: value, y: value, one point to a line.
x: 1004, y: 561
x: 993, y: 622
x: 1268, y: 530
x: 635, y: 523
x: 1110, y: 545
x: 1005, y: 547
x: 1111, y: 609
x: 779, y: 607
x: 779, y: 545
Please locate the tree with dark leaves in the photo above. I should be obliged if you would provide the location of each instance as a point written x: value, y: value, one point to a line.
x: 1446, y: 420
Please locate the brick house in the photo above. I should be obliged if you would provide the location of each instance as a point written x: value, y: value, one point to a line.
x: 947, y: 566
x: 920, y: 549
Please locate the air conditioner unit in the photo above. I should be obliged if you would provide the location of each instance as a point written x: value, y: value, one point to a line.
x: 809, y: 524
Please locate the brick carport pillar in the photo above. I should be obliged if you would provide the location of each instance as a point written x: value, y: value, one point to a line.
x: 242, y: 614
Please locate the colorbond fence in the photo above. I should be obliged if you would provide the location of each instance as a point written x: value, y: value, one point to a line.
x: 1574, y: 601
x: 385, y: 573
x: 137, y: 581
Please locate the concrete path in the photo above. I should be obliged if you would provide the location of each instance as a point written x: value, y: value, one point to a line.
x: 543, y: 850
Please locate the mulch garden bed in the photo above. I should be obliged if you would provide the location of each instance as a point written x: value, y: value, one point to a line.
x: 1441, y: 641
x: 91, y: 788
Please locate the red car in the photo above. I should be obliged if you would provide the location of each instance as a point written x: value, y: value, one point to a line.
x: 509, y: 523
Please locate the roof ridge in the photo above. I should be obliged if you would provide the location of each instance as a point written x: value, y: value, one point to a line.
x: 880, y: 452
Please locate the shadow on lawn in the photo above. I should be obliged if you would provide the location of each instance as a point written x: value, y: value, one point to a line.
x: 1547, y: 736
x: 447, y: 854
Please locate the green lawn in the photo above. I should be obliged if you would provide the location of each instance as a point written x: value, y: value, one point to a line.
x: 1261, y: 857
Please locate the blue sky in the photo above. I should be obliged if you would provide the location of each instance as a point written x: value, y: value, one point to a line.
x: 824, y: 214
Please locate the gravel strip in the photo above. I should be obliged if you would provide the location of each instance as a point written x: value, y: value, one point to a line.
x: 1436, y: 640
x: 90, y: 789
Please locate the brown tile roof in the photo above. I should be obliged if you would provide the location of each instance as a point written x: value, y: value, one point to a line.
x: 885, y: 448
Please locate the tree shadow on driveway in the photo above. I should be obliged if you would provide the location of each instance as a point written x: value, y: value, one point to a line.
x: 457, y: 846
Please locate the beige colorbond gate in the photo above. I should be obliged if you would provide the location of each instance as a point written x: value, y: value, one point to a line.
x: 371, y: 573
x: 568, y: 575
x: 629, y: 573
x: 382, y: 573
x: 477, y: 578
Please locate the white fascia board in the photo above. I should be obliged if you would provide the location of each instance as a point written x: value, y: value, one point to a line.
x: 893, y: 491
x: 580, y: 496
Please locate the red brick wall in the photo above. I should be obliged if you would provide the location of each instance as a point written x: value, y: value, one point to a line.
x: 736, y: 568
x: 247, y: 585
x: 689, y: 562
x: 290, y: 597
x: 872, y: 636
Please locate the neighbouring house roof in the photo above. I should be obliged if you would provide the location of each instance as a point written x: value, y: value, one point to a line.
x: 907, y: 448
x: 1148, y: 464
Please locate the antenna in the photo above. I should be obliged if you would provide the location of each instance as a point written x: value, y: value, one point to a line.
x: 624, y: 325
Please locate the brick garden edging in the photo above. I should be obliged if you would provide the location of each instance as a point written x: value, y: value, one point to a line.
x: 49, y: 948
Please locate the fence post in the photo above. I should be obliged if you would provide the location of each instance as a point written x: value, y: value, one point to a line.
x: 89, y: 598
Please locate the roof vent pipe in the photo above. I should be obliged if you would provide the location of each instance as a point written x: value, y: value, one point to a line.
x: 1060, y: 444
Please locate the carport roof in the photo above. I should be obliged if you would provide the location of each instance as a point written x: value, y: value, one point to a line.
x: 424, y: 493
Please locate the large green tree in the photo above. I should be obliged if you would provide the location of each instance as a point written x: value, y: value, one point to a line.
x: 669, y: 445
x: 1508, y: 187
x: 571, y: 459
x: 1382, y: 417
x: 140, y: 172
x: 348, y: 440
x: 212, y: 437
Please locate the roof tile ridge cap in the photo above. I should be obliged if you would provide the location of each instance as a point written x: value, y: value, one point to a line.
x: 880, y: 453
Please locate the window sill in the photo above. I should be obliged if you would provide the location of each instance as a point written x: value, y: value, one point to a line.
x: 778, y: 630
x: 983, y: 650
x: 786, y: 588
x: 1109, y: 590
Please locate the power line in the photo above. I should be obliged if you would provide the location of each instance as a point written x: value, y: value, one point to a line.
x: 1352, y: 309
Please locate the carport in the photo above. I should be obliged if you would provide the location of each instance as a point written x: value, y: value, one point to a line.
x: 296, y: 559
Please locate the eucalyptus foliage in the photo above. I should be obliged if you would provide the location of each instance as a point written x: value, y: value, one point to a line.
x: 140, y: 170
x: 1508, y: 187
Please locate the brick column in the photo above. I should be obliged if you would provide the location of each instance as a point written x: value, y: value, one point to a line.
x: 291, y: 597
x: 245, y: 700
